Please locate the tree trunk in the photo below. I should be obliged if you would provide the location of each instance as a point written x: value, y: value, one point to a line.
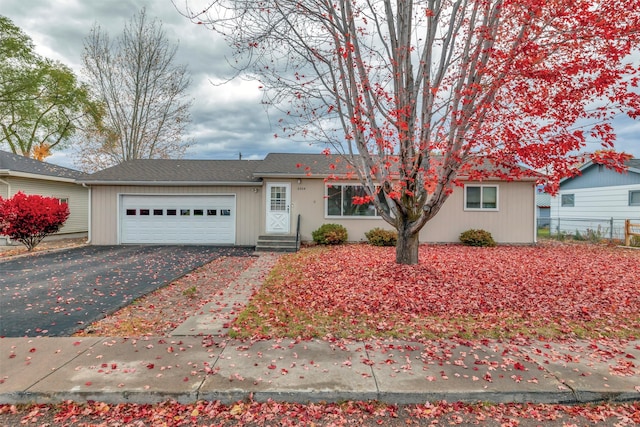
x: 407, y: 246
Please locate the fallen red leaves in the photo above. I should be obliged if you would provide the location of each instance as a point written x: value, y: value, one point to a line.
x: 358, y: 291
x: 162, y: 311
x: 323, y: 414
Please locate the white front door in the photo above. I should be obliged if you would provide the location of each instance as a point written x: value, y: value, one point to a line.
x: 278, y: 194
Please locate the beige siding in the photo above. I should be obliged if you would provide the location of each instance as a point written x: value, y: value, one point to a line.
x: 104, y: 209
x: 512, y: 223
x: 77, y: 195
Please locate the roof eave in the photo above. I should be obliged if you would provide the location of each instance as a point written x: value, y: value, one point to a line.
x: 17, y: 174
x: 174, y: 183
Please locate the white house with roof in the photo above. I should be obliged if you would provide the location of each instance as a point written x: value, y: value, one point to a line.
x: 22, y: 174
x: 597, y: 201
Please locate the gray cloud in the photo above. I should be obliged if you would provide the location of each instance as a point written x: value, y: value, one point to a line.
x: 226, y: 119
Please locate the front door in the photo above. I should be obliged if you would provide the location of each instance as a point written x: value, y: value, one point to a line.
x: 278, y: 194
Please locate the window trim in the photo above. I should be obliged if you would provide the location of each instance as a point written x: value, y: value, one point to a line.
x: 482, y: 186
x: 341, y: 216
x: 567, y: 205
x: 631, y: 192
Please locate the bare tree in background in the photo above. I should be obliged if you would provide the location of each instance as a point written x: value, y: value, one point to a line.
x: 417, y: 95
x: 144, y: 95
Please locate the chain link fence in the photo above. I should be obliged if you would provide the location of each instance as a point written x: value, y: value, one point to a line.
x: 589, y: 229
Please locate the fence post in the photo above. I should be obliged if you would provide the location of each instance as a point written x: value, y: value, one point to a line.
x: 611, y: 230
x: 627, y: 232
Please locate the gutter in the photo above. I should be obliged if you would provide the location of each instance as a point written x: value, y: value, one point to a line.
x: 172, y: 183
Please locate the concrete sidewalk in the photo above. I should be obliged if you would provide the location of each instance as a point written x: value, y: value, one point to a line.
x: 199, y: 363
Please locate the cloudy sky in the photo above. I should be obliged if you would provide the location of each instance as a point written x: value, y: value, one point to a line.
x: 227, y: 119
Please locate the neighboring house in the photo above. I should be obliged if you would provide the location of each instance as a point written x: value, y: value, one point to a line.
x: 19, y: 173
x: 543, y: 208
x: 237, y: 201
x: 597, y: 201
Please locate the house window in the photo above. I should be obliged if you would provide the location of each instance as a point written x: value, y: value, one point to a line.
x: 634, y: 198
x: 212, y: 212
x: 63, y: 200
x: 225, y: 212
x: 131, y: 212
x: 198, y: 212
x: 144, y: 212
x: 157, y: 211
x: 185, y: 212
x: 340, y: 201
x: 483, y: 197
x: 171, y: 212
x: 567, y: 200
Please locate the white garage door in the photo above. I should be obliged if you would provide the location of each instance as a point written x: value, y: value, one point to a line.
x: 178, y: 219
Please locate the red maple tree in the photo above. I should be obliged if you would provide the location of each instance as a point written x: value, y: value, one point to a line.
x: 30, y: 218
x: 419, y: 95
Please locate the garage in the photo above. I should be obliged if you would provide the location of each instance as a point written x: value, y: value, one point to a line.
x: 177, y: 219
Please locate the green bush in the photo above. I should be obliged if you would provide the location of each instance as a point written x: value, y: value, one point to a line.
x: 380, y: 237
x: 330, y: 234
x: 477, y: 238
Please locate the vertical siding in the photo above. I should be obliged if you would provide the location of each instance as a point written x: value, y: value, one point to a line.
x: 104, y: 209
x: 78, y: 199
x: 512, y: 223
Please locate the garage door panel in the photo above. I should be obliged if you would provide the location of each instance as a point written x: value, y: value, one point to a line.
x: 178, y: 219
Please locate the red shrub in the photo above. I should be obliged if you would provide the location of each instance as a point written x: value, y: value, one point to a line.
x: 30, y: 218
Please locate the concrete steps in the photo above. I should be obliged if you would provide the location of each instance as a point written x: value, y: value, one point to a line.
x: 276, y: 243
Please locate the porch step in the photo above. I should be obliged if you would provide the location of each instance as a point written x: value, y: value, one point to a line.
x: 276, y: 243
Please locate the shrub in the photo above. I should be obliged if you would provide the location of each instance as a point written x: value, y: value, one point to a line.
x: 29, y: 219
x: 330, y: 234
x: 635, y: 241
x: 380, y: 237
x: 477, y: 238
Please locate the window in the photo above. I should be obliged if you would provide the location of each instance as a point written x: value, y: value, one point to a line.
x: 225, y: 212
x: 340, y: 201
x: 634, y: 198
x: 63, y: 200
x: 171, y: 212
x: 144, y: 212
x: 567, y: 200
x: 131, y: 212
x: 185, y: 212
x: 212, y: 212
x: 483, y: 197
x: 157, y: 211
x: 198, y: 212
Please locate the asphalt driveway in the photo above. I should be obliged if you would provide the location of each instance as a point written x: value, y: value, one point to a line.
x: 59, y: 293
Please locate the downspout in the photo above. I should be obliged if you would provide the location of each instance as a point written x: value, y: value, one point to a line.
x: 88, y: 214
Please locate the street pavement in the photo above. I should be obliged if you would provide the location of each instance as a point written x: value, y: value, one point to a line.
x: 199, y: 362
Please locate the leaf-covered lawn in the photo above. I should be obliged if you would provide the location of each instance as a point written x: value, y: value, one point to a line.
x: 357, y: 291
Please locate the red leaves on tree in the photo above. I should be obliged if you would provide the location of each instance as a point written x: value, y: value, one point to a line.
x: 30, y: 218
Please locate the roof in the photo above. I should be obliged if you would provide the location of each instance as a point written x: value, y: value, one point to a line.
x: 219, y: 172
x: 294, y: 165
x: 178, y: 172
x: 16, y: 165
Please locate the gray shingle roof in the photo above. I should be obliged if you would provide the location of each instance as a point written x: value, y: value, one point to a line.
x: 10, y: 162
x: 177, y: 172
